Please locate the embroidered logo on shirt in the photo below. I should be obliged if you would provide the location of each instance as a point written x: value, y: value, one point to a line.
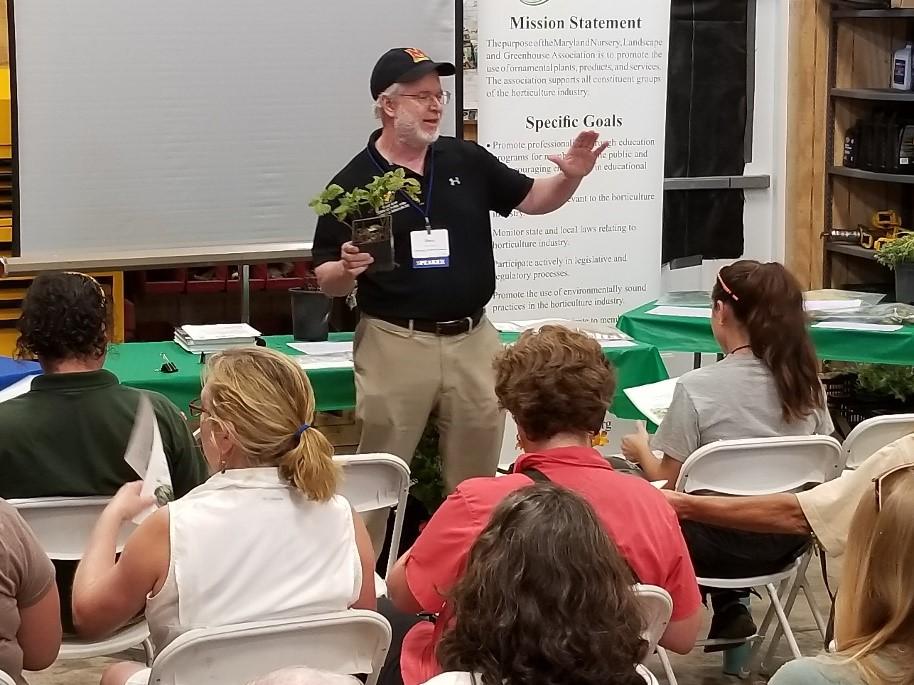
x: 455, y: 181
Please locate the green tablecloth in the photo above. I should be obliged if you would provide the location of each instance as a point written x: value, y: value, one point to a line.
x: 688, y: 334
x: 138, y: 364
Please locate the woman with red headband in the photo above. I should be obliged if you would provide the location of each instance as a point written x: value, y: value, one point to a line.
x: 767, y: 385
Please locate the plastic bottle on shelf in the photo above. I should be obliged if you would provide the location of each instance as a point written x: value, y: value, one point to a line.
x: 901, y: 68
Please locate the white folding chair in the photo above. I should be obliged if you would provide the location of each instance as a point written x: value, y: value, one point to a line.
x: 346, y: 642
x: 377, y: 481
x: 6, y: 679
x: 647, y: 675
x: 765, y: 466
x: 656, y: 608
x: 63, y: 526
x: 872, y: 435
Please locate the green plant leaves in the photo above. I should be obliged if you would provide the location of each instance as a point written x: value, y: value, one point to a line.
x: 374, y: 195
x: 897, y: 252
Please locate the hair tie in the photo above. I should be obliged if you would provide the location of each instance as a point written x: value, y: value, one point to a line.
x: 301, y: 429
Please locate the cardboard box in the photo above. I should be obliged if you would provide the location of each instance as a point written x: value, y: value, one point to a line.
x: 903, y: 4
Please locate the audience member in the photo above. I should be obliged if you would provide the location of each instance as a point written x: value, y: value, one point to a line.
x: 29, y: 607
x: 874, y: 610
x: 766, y: 386
x: 68, y: 434
x: 824, y: 511
x: 546, y: 599
x: 266, y: 537
x: 557, y: 385
x: 305, y: 676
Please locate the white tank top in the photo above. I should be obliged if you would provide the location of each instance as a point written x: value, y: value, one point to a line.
x: 247, y: 546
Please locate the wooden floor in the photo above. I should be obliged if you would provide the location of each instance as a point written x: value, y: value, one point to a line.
x: 696, y: 668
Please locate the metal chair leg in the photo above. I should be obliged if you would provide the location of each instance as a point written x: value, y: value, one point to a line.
x: 782, y: 618
x: 667, y: 666
x: 149, y: 651
x: 817, y: 616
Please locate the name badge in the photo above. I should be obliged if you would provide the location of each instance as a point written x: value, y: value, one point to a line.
x: 430, y: 249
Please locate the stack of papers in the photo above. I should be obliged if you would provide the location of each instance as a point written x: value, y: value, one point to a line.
x: 215, y: 337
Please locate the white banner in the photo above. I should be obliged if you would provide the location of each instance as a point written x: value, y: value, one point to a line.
x: 549, y: 69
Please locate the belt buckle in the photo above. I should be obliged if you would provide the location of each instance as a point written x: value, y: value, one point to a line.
x: 445, y: 327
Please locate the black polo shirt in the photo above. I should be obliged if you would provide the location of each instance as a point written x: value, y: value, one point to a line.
x: 468, y: 182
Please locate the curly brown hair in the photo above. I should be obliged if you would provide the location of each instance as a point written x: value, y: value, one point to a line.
x: 64, y: 316
x: 546, y: 598
x: 555, y: 380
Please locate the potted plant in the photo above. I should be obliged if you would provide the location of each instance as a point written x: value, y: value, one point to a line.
x: 860, y: 391
x: 364, y: 211
x: 898, y: 255
x: 889, y: 382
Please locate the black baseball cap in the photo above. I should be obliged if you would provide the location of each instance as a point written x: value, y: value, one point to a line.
x: 403, y: 65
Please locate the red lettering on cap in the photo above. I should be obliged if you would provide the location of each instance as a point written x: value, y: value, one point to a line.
x: 417, y: 55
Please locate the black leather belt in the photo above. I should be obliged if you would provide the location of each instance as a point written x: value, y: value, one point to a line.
x: 455, y: 327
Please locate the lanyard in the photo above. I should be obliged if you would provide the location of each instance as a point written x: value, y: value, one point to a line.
x: 428, y: 200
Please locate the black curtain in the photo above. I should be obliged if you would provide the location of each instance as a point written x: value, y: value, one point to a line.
x: 706, y: 126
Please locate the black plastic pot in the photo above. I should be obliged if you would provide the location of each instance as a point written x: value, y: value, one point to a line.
x: 310, y: 315
x: 375, y: 237
x: 904, y: 282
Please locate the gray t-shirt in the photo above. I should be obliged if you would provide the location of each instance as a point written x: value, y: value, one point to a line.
x: 733, y: 399
x: 26, y: 576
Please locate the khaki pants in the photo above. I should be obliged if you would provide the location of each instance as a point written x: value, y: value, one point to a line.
x: 402, y: 376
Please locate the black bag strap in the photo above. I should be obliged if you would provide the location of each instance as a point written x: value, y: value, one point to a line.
x: 533, y: 474
x: 536, y: 475
x: 823, y: 565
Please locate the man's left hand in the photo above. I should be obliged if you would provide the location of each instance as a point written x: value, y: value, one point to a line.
x: 581, y: 156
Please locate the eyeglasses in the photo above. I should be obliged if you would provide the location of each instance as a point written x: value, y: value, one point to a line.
x: 426, y: 98
x: 196, y: 407
x: 878, y: 481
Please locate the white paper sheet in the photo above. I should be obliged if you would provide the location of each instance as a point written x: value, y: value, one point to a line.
x: 528, y: 324
x: 323, y: 361
x: 20, y: 387
x: 608, y: 336
x: 220, y: 331
x: 692, y: 312
x: 653, y: 400
x: 617, y: 343
x: 859, y: 326
x: 322, y: 348
x: 831, y: 305
x: 146, y: 455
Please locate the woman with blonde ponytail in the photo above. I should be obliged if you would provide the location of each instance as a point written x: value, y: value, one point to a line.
x: 266, y: 537
x: 874, y: 611
x: 767, y: 385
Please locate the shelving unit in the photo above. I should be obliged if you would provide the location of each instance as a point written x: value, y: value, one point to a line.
x: 877, y: 94
x: 860, y: 52
x: 12, y: 292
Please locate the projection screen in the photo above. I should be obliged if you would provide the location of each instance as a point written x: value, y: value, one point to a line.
x: 173, y: 130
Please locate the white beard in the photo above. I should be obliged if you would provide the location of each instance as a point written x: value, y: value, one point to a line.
x: 409, y: 132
